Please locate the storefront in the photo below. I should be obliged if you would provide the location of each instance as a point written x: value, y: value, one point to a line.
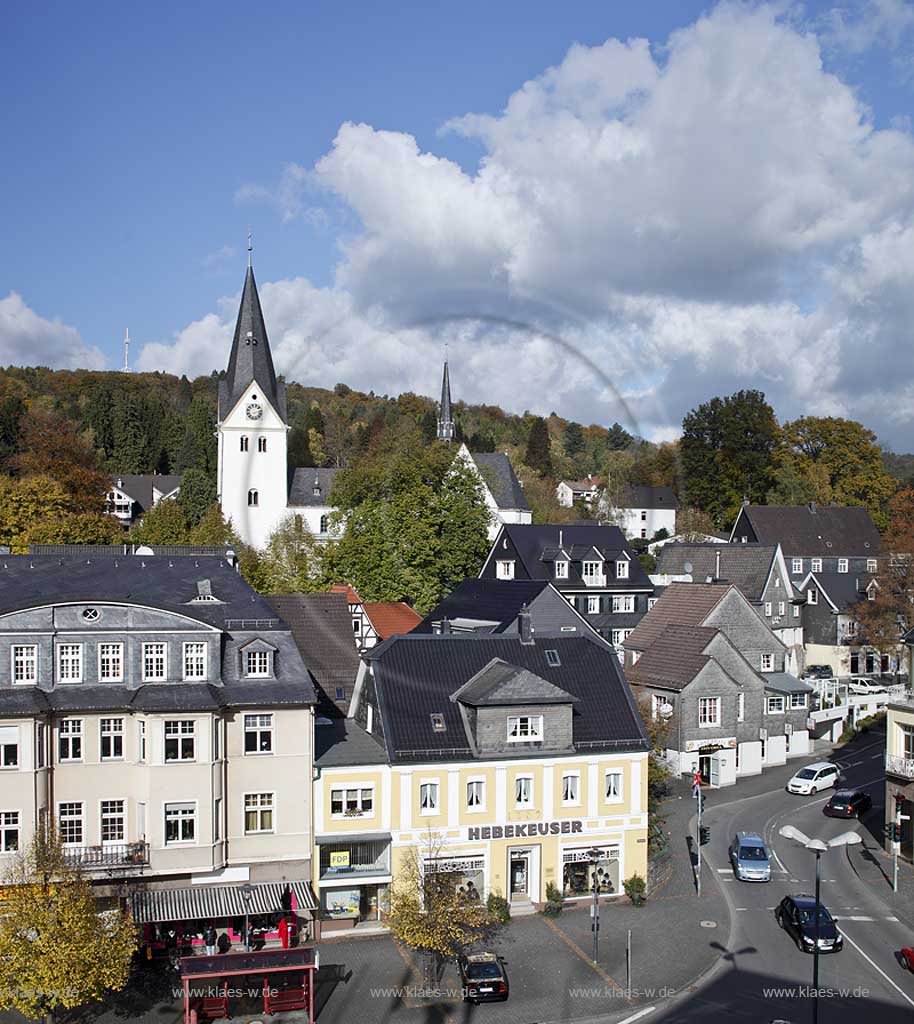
x: 580, y: 867
x: 354, y: 877
x: 467, y: 874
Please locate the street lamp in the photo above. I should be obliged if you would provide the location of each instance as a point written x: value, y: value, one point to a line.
x: 818, y: 847
x: 247, y: 894
x: 596, y: 856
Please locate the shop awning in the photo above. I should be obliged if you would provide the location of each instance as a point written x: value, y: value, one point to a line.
x: 202, y: 902
x: 353, y: 837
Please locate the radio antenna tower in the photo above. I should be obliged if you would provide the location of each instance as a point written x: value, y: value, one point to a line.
x: 127, y: 350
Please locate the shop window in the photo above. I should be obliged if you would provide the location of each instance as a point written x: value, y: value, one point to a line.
x: 258, y: 734
x: 466, y: 875
x: 579, y: 871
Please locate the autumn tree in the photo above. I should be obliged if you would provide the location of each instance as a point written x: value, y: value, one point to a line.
x: 57, y: 951
x: 77, y: 528
x: 164, y: 523
x: 12, y: 411
x: 693, y: 525
x: 26, y: 505
x: 659, y: 730
x: 291, y: 563
x: 726, y: 452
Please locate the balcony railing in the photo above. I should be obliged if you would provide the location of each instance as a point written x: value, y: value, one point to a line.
x: 113, y: 855
x: 594, y: 581
x: 903, y: 766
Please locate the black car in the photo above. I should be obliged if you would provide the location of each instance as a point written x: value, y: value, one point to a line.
x: 797, y: 916
x: 818, y: 672
x: 483, y: 977
x: 847, y: 803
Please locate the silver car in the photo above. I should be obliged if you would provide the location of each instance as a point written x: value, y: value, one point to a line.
x: 750, y: 857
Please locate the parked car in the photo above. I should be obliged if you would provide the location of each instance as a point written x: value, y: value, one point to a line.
x: 749, y: 857
x: 813, y: 777
x: 848, y: 803
x: 483, y: 977
x: 797, y: 916
x: 907, y: 956
x: 818, y: 672
x: 864, y: 686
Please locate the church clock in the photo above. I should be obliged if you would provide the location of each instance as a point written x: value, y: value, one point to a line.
x: 253, y: 411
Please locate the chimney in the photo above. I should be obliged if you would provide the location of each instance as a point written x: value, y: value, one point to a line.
x: 560, y: 538
x: 717, y: 563
x: 524, y: 626
x: 445, y: 625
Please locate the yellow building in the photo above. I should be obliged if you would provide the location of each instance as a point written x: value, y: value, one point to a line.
x: 504, y: 760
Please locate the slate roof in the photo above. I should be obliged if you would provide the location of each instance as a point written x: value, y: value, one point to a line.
x: 534, y: 542
x: 444, y: 407
x: 485, y: 600
x: 342, y: 742
x: 500, y: 478
x: 815, y: 530
x: 500, y: 683
x: 301, y: 490
x: 250, y: 358
x: 746, y: 566
x: 844, y: 589
x: 641, y: 496
x: 681, y: 604
x: 415, y: 676
x: 784, y: 682
x: 139, y: 486
x: 674, y: 659
x: 391, y: 617
x: 322, y: 628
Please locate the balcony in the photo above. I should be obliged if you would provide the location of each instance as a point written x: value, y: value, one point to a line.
x: 111, y: 855
x: 594, y: 581
x: 902, y: 766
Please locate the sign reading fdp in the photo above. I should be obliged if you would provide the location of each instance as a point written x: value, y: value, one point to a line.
x: 339, y: 859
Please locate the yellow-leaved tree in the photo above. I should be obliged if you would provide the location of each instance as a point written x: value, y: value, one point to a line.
x: 57, y: 951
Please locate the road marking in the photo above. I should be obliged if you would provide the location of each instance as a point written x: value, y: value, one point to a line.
x: 891, y: 919
x: 724, y: 871
x: 774, y: 853
x: 576, y: 949
x: 855, y: 918
x: 900, y: 991
x: 638, y: 1015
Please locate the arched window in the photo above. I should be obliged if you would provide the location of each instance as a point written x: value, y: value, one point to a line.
x: 244, y: 442
x: 253, y: 498
x: 325, y: 524
x: 261, y: 444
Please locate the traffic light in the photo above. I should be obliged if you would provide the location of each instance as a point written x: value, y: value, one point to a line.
x: 704, y: 835
x: 899, y: 801
x: 888, y: 830
x: 896, y: 833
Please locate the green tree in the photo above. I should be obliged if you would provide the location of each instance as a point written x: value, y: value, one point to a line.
x: 291, y: 562
x: 617, y: 437
x: 57, y: 952
x: 212, y: 530
x: 164, y: 523
x: 538, y: 455
x: 201, y: 422
x: 26, y: 505
x: 12, y: 410
x: 726, y: 452
x: 574, y: 439
x: 130, y: 437
x: 197, y: 494
x: 841, y: 461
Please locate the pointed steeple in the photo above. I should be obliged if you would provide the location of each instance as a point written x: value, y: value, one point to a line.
x: 250, y: 359
x: 445, y: 418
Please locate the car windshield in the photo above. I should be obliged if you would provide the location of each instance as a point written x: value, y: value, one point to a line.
x: 806, y: 773
x: 808, y: 915
x: 752, y: 853
x: 483, y: 972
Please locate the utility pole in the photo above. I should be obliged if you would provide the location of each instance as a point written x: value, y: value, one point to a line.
x: 897, y: 827
x: 696, y: 793
x: 595, y: 855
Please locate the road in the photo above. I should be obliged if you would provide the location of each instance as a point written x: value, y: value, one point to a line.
x: 759, y: 962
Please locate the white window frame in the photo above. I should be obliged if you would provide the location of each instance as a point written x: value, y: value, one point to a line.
x: 152, y: 652
x: 504, y: 569
x: 189, y: 659
x: 766, y: 662
x: 258, y: 807
x: 180, y: 811
x: 815, y: 565
x: 561, y: 569
x: 812, y: 595
x: 262, y: 662
x: 531, y: 733
x: 74, y: 651
x: 593, y: 604
x: 774, y: 705
x: 768, y: 609
x: 574, y: 800
x: 430, y: 796
x: 798, y: 701
x: 523, y: 787
x: 842, y: 565
x: 479, y: 784
x: 112, y: 816
x: 658, y: 701
x: 624, y: 603
x: 705, y: 706
x: 595, y: 575
x: 622, y: 569
x: 362, y: 807
x: 74, y: 731
x: 796, y: 565
x: 782, y: 607
x: 177, y: 731
x: 10, y: 823
x: 796, y: 611
x: 872, y: 565
x: 741, y: 707
x: 616, y: 636
x: 651, y: 601
x: 253, y: 724
x: 69, y: 818
x: 613, y: 791
x: 111, y: 651
x: 27, y: 663
x: 114, y: 731
x: 141, y: 741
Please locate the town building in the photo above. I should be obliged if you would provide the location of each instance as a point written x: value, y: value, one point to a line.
x: 591, y: 565
x: 642, y: 512
x: 585, y: 492
x: 130, y: 495
x: 495, y: 606
x: 158, y: 711
x: 503, y: 760
x: 708, y: 663
x: 374, y: 621
x: 757, y: 570
x: 899, y: 771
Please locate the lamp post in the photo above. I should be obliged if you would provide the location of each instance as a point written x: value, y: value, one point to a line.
x: 818, y: 847
x: 247, y: 894
x: 595, y: 856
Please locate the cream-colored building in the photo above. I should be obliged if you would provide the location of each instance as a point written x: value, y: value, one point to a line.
x: 500, y: 760
x: 899, y: 771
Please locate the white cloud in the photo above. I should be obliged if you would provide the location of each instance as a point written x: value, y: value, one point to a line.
x: 858, y: 27
x: 28, y: 339
x: 717, y: 212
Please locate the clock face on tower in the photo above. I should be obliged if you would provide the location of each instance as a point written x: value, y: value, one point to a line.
x: 253, y: 411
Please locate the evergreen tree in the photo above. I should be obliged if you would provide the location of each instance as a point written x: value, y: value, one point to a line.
x: 130, y: 437
x: 539, y: 454
x: 574, y: 439
x: 202, y: 424
x: 11, y: 412
x: 299, y: 450
x: 618, y: 437
x: 197, y: 494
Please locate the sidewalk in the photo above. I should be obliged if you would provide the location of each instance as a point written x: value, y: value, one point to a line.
x: 873, y: 866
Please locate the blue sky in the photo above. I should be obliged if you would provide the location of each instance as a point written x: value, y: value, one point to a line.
x: 143, y: 140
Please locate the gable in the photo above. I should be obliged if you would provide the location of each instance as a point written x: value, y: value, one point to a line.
x: 236, y: 417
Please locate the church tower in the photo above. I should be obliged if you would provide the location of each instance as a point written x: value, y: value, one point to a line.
x: 445, y: 418
x: 252, y: 475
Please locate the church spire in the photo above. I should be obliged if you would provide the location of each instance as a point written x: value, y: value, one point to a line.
x: 445, y: 418
x: 250, y: 359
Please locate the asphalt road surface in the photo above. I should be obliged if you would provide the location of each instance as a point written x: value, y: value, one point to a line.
x: 762, y: 976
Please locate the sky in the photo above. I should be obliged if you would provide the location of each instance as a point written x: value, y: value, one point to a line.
x: 613, y: 211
